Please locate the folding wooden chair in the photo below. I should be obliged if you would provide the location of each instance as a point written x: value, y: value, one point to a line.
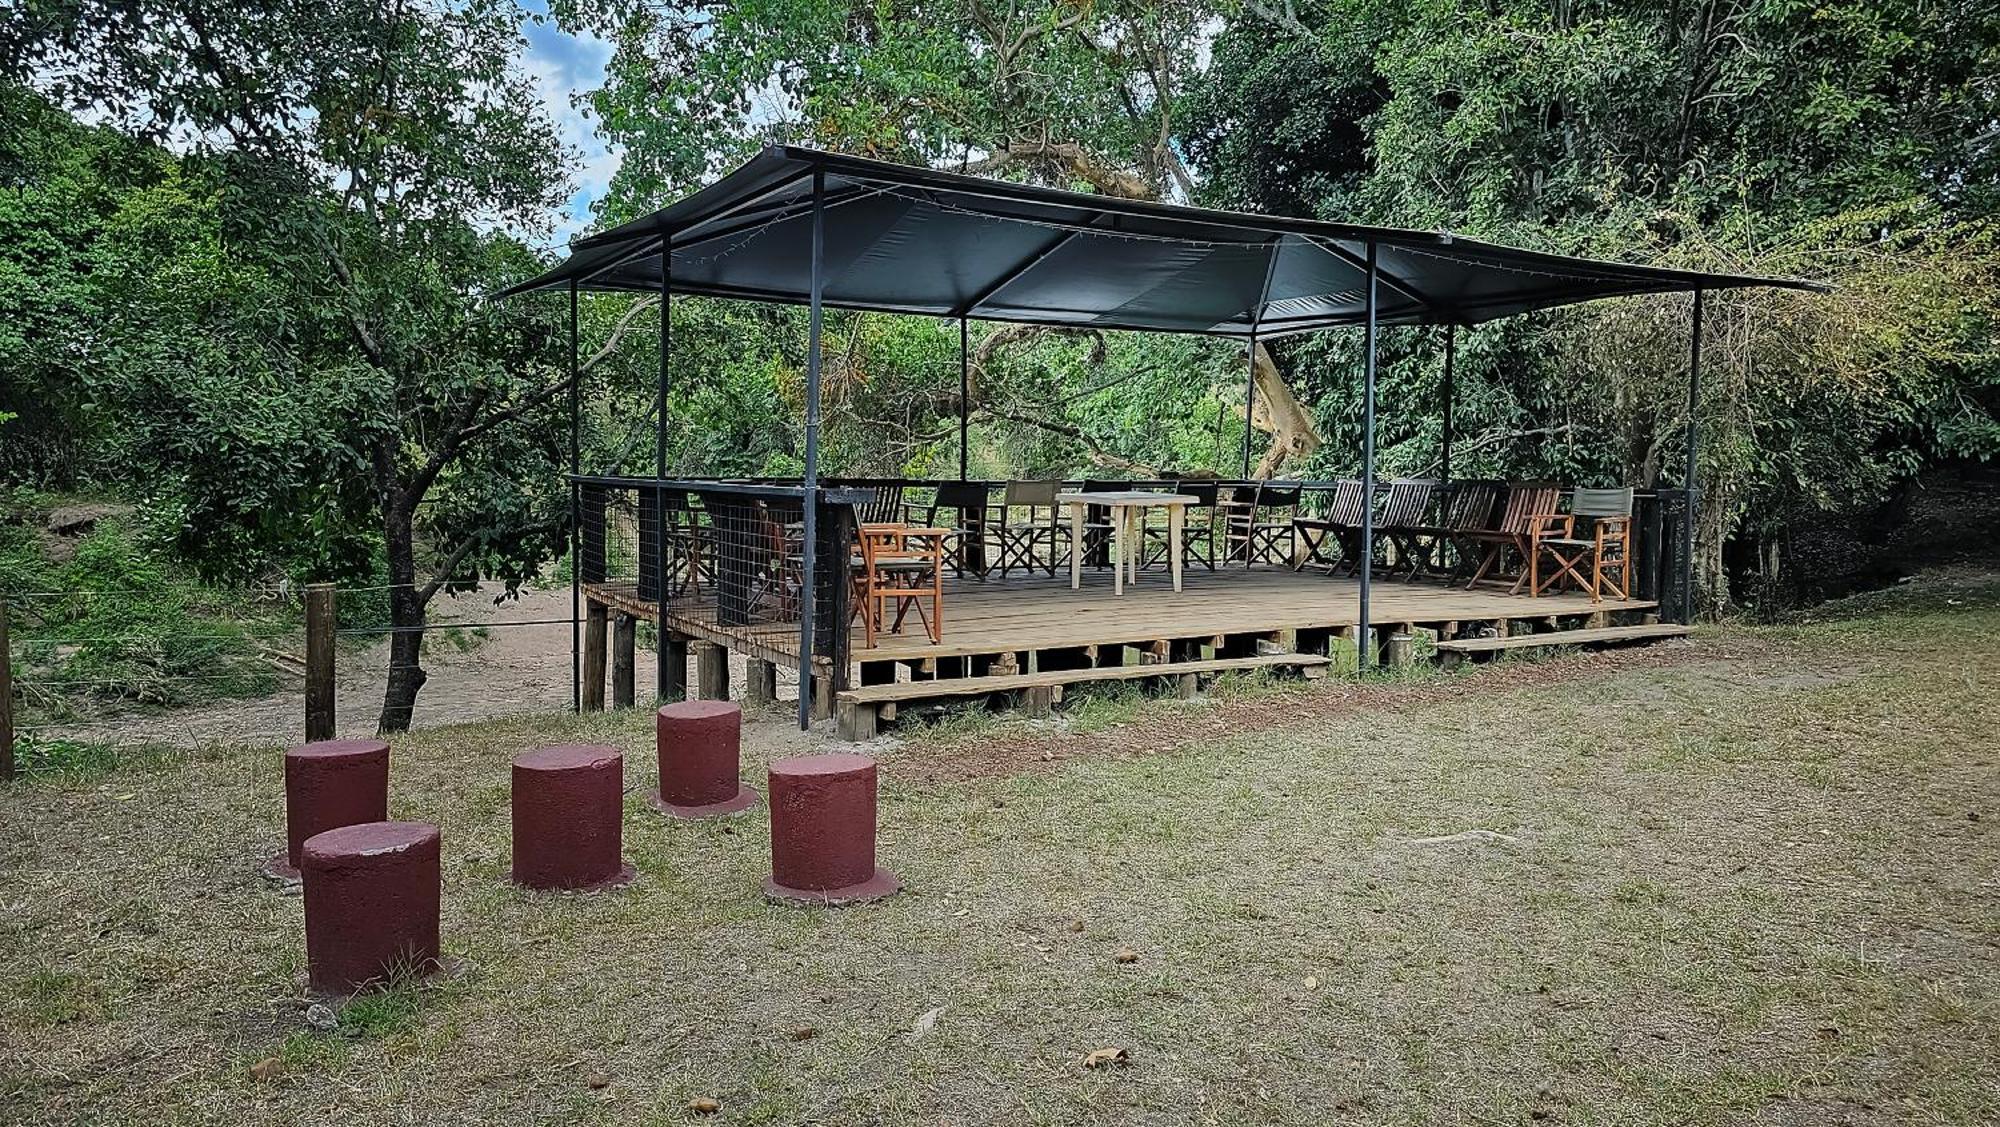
x: 1332, y: 539
x: 1607, y: 551
x: 1531, y: 511
x: 903, y: 566
x: 1405, y: 510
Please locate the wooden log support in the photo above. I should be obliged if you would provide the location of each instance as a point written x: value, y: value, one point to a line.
x: 711, y: 671
x: 1041, y: 701
x: 320, y: 626
x: 624, y: 660
x: 1400, y: 648
x: 822, y: 702
x: 674, y: 666
x: 760, y: 683
x: 1004, y: 665
x: 593, y: 656
x: 856, y: 721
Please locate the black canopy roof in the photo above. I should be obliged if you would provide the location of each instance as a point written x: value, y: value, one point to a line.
x: 915, y: 240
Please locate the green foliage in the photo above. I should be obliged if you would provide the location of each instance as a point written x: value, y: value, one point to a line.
x: 118, y: 622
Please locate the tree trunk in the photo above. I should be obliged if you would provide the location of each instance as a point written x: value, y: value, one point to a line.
x: 406, y: 616
x: 1278, y: 413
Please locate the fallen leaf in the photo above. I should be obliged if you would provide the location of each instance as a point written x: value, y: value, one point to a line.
x: 1098, y: 1058
x: 1126, y: 955
x: 597, y: 1080
x: 1076, y: 925
x: 924, y: 1022
x: 803, y: 1033
x: 267, y: 1070
x: 1312, y: 982
x: 704, y: 1105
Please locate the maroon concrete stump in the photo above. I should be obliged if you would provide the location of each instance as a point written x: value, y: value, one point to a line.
x: 700, y: 746
x: 823, y: 831
x: 569, y: 818
x: 371, y: 904
x: 329, y: 784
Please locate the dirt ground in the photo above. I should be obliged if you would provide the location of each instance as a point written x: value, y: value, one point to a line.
x: 497, y: 660
x: 1747, y: 881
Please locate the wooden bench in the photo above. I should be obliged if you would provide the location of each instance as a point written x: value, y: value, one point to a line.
x: 1456, y: 651
x: 858, y: 709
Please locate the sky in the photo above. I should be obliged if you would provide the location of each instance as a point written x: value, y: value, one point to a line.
x: 564, y: 66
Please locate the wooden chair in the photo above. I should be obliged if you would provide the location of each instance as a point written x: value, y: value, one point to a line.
x: 1236, y: 512
x: 1607, y: 550
x: 1332, y: 537
x: 1530, y: 512
x: 1097, y: 527
x: 1465, y: 509
x: 1015, y: 540
x: 963, y: 505
x: 1406, y: 511
x: 903, y: 566
x: 1274, y: 525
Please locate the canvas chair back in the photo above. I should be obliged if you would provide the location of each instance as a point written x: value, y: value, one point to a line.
x: 1032, y: 496
x: 959, y: 495
x: 1602, y: 503
x: 1278, y: 497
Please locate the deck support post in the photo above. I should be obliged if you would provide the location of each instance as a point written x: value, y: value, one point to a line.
x: 575, y: 513
x: 593, y: 657
x: 624, y: 643
x: 711, y: 671
x: 807, y: 586
x: 1693, y: 467
x: 671, y: 680
x: 1368, y: 460
x: 964, y: 391
x: 1041, y: 701
x: 856, y: 721
x: 665, y: 687
x: 822, y: 694
x: 1400, y: 647
x: 1450, y: 391
x: 760, y: 682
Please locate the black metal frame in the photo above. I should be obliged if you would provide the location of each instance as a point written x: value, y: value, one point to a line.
x: 809, y: 490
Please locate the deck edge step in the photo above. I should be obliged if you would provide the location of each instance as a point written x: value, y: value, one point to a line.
x: 1593, y: 636
x: 1008, y: 682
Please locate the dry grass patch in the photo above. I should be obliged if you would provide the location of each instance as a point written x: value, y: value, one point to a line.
x: 1747, y: 881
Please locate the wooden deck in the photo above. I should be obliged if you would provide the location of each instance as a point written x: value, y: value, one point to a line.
x: 1024, y: 615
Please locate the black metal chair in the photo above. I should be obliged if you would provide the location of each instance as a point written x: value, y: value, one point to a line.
x: 965, y: 504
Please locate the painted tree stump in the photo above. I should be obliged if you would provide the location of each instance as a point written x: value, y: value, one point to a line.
x: 569, y: 818
x: 700, y: 749
x: 371, y: 898
x: 329, y: 784
x: 823, y: 831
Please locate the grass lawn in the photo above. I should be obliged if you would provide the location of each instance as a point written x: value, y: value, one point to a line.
x: 1754, y: 879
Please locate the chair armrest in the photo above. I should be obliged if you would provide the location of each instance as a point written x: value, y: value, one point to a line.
x: 1548, y: 523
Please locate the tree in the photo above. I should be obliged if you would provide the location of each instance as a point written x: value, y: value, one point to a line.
x: 369, y: 160
x: 1071, y: 94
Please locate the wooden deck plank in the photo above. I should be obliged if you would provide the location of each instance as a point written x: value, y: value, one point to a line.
x: 1022, y: 613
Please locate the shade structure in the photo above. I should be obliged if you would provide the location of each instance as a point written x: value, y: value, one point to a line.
x: 916, y: 240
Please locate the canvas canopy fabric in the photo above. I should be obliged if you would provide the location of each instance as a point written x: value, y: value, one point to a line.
x: 915, y: 240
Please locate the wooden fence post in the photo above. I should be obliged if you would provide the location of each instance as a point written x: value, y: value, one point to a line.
x: 6, y: 701
x: 624, y: 644
x: 593, y: 656
x: 320, y: 626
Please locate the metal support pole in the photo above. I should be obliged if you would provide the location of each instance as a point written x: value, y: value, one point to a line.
x: 1364, y: 635
x: 662, y: 683
x: 1450, y: 394
x: 1691, y: 479
x: 1249, y: 400
x: 964, y: 392
x: 811, y: 490
x: 575, y: 513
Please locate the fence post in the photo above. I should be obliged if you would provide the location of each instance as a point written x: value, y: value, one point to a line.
x: 320, y: 626
x: 6, y: 701
x: 593, y: 656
